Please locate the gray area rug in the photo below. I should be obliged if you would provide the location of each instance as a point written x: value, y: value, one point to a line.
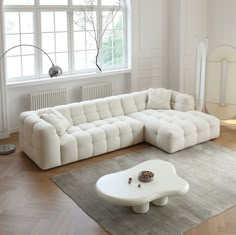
x: 209, y: 168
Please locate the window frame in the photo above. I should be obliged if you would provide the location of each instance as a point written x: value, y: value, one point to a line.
x: 41, y: 74
x: 36, y: 9
x: 22, y: 78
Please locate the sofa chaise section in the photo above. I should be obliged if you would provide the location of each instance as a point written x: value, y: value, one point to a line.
x: 172, y: 130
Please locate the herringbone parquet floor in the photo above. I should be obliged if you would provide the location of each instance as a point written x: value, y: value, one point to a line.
x: 30, y: 204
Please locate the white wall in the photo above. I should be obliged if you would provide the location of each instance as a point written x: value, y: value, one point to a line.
x: 148, y: 44
x: 173, y: 50
x: 187, y: 25
x: 195, y: 30
x: 148, y: 38
x: 221, y: 23
x: 190, y: 21
x: 221, y: 31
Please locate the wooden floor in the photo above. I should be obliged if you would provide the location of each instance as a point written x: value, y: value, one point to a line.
x: 31, y: 204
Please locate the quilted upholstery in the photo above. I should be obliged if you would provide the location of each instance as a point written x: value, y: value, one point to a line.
x: 107, y: 124
x: 173, y: 130
x: 101, y: 136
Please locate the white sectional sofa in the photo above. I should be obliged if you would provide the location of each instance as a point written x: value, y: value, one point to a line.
x: 81, y: 130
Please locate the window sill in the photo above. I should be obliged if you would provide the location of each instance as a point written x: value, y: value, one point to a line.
x: 66, y: 78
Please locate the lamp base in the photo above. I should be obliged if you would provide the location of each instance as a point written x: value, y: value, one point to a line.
x: 7, y: 149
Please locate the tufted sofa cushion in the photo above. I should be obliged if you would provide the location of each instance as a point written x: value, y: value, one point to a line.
x: 101, y: 136
x: 173, y: 130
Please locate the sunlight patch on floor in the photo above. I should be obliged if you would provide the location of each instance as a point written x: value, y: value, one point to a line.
x: 231, y: 121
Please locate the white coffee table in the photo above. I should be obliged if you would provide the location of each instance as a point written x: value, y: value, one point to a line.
x: 115, y: 188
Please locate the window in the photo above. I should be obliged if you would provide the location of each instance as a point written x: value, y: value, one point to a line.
x: 113, y: 40
x: 54, y: 35
x: 75, y: 33
x: 19, y: 30
x: 84, y: 39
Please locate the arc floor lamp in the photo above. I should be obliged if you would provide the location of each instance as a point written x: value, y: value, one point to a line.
x: 53, y: 71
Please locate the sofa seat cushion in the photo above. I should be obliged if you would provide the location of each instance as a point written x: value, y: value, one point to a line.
x: 173, y: 130
x: 101, y: 136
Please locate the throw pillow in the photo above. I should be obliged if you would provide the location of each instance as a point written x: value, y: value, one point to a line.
x: 56, y: 119
x: 159, y: 98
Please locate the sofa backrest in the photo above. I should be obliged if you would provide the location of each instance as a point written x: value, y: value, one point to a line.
x: 113, y: 106
x: 92, y: 110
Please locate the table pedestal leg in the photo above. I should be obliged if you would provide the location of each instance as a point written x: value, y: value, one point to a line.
x: 160, y: 201
x: 141, y: 209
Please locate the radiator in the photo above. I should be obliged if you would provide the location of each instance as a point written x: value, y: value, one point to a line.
x: 49, y: 98
x: 94, y: 91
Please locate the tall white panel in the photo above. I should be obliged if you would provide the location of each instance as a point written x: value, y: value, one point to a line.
x: 186, y: 28
x: 221, y: 23
x: 148, y: 44
x: 151, y: 24
x: 194, y: 29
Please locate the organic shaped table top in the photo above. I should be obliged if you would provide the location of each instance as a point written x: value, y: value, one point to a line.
x: 117, y: 187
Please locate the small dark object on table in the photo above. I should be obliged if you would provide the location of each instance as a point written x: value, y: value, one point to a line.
x: 146, y: 176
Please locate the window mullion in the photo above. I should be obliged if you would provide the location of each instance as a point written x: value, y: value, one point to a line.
x: 70, y: 30
x: 21, y: 58
x: 125, y: 38
x: 86, y: 47
x: 99, y: 30
x: 70, y: 4
x: 70, y: 35
x: 55, y: 38
x: 38, y: 40
x: 113, y: 46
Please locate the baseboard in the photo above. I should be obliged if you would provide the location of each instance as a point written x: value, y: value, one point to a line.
x: 15, y: 130
x: 4, y: 135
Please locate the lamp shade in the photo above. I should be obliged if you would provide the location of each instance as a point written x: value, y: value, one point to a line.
x: 55, y: 71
